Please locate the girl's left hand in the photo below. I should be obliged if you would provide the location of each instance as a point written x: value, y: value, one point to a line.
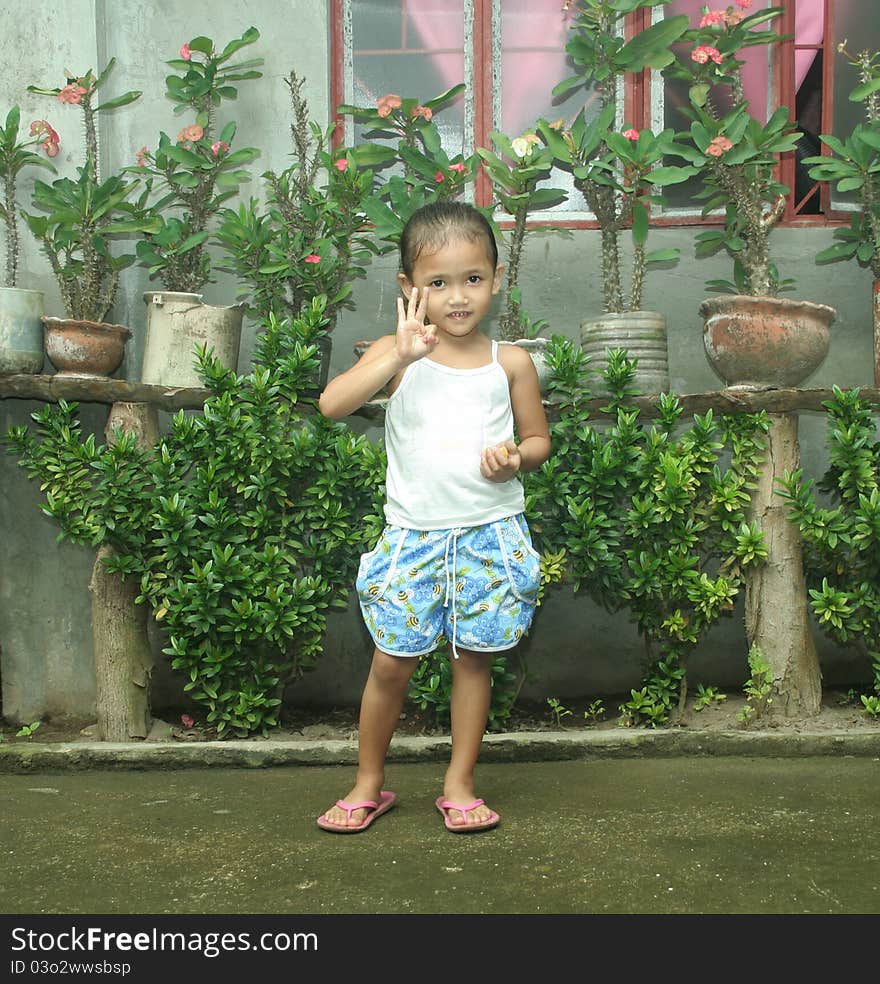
x: 501, y: 462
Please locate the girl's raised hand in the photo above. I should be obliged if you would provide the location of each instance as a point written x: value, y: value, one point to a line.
x: 415, y: 339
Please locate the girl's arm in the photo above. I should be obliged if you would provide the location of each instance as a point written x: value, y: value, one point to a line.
x: 383, y: 361
x: 500, y: 464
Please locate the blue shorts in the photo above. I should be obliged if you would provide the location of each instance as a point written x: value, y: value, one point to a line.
x: 476, y: 586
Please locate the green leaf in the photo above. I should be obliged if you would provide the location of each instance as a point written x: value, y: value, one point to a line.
x: 640, y: 224
x: 117, y: 101
x: 861, y: 92
x: 202, y: 44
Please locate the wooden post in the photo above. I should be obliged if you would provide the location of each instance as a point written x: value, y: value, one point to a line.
x: 876, y: 309
x: 123, y: 656
x: 777, y: 609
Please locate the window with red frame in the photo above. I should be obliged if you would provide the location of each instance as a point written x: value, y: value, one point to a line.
x: 511, y: 53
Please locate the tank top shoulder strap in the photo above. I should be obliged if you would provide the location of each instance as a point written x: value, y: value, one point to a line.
x: 494, y: 350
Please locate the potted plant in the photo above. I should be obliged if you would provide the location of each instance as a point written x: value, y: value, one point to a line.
x: 403, y: 133
x: 752, y: 336
x: 853, y: 163
x: 188, y: 180
x: 310, y: 238
x: 617, y: 169
x: 84, y: 215
x: 21, y: 333
x: 515, y: 169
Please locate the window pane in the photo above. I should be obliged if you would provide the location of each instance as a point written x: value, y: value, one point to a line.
x: 755, y: 75
x: 858, y: 24
x: 532, y: 61
x: 413, y: 48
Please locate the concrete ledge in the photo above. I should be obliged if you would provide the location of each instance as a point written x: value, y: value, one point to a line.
x: 532, y: 746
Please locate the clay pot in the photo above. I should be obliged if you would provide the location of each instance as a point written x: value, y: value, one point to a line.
x: 765, y: 341
x: 84, y: 348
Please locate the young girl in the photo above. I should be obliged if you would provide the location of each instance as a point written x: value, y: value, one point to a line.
x: 455, y: 559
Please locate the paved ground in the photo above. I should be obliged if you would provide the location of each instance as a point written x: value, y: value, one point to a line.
x: 622, y: 822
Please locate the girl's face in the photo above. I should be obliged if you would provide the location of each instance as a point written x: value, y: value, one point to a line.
x: 462, y: 283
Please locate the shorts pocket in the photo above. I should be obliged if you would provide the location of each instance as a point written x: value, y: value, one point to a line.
x: 377, y: 567
x: 521, y: 561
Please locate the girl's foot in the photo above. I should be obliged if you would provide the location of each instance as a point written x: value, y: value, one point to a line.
x: 478, y: 815
x: 337, y: 816
x: 462, y: 816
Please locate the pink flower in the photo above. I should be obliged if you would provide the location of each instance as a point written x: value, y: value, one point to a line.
x: 439, y: 176
x: 41, y: 128
x: 422, y: 111
x: 460, y: 167
x: 219, y: 145
x: 185, y: 53
x: 631, y: 134
x: 142, y: 156
x: 719, y: 146
x: 745, y: 4
x: 313, y: 258
x: 186, y: 721
x: 341, y: 164
x: 193, y: 132
x: 704, y: 52
x: 712, y: 17
x: 387, y: 103
x: 71, y: 93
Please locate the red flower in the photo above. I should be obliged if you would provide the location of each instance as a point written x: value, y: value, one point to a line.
x: 219, y: 145
x: 188, y: 133
x: 185, y: 53
x: 631, y: 134
x: 71, y: 93
x: 422, y: 111
x: 186, y: 721
x: 41, y: 128
x: 439, y: 176
x: 704, y: 52
x: 388, y: 103
x: 313, y: 258
x: 461, y: 168
x: 341, y: 164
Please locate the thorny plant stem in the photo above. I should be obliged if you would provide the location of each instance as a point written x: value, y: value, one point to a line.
x: 11, y: 220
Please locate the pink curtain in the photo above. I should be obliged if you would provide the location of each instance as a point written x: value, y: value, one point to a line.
x: 533, y: 49
x: 528, y: 75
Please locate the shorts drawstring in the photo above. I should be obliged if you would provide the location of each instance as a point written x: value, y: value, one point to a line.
x: 453, y: 539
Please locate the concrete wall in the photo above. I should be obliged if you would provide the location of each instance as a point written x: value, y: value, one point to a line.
x: 575, y: 648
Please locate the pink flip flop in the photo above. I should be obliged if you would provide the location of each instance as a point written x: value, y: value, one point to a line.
x: 386, y: 801
x: 444, y: 806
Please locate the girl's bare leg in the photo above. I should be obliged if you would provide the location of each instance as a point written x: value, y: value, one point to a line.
x: 381, y: 704
x: 471, y: 696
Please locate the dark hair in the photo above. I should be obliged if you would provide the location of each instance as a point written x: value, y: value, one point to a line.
x: 431, y: 226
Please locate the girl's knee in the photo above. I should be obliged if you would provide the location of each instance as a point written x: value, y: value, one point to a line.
x: 472, y: 662
x: 392, y: 670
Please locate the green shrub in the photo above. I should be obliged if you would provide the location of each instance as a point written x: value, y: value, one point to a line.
x: 652, y: 518
x: 244, y: 524
x: 842, y: 542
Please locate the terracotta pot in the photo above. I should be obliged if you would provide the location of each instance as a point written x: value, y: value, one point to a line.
x: 84, y: 348
x: 765, y: 341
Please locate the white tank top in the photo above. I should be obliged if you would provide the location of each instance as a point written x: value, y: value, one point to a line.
x: 437, y: 423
